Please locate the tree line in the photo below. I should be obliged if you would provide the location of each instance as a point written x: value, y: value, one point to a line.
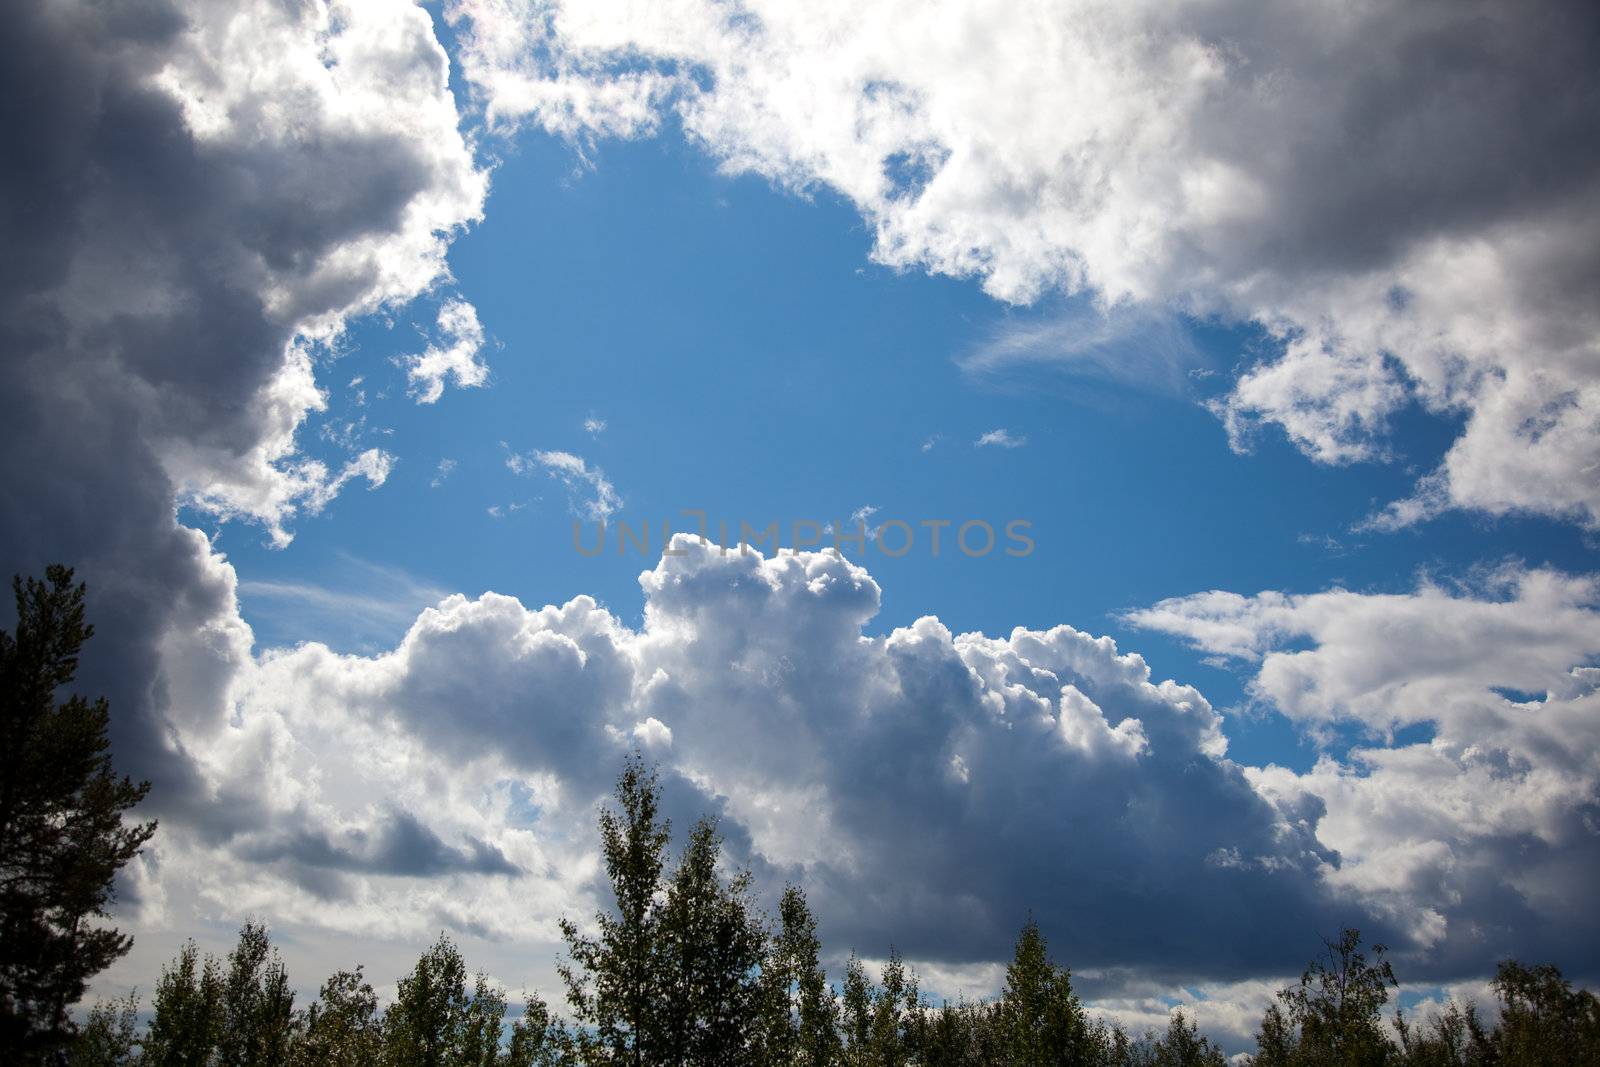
x: 683, y: 968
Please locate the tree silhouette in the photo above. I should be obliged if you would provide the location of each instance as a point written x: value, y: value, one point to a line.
x: 62, y: 833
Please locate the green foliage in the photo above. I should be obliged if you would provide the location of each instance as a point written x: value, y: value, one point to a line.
x: 1452, y: 1038
x: 710, y: 944
x: 538, y: 1038
x: 1040, y: 1018
x: 1543, y: 1020
x: 437, y: 1021
x: 1180, y: 1046
x: 674, y: 974
x: 109, y: 1036
x: 188, y: 1012
x: 62, y: 834
x: 614, y: 979
x: 1334, y: 1017
x: 342, y: 1027
x: 258, y: 1023
x: 799, y: 1016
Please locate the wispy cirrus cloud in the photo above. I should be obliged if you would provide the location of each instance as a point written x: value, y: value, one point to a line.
x: 592, y: 494
x: 999, y: 438
x: 1131, y: 346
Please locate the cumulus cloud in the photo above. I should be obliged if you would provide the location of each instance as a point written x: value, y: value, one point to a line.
x: 928, y: 787
x: 1402, y: 195
x: 593, y: 496
x: 196, y: 196
x: 1493, y: 816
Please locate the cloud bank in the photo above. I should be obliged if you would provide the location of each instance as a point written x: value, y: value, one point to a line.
x: 195, y: 198
x: 1403, y: 195
x: 1476, y: 836
x: 929, y: 788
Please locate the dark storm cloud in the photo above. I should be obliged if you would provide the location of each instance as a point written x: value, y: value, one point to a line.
x: 399, y: 845
x: 154, y: 277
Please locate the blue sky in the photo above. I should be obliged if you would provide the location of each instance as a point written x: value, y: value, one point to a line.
x: 748, y: 359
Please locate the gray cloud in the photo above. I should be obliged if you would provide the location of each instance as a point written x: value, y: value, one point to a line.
x: 185, y: 212
x: 1477, y: 837
x: 929, y: 788
x: 399, y: 845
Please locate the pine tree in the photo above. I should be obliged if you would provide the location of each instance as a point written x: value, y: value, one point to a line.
x: 62, y: 834
x: 1040, y: 1018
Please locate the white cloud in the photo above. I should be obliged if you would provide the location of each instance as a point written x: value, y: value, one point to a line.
x: 1000, y: 438
x: 930, y: 788
x: 442, y: 473
x: 594, y: 426
x: 1494, y: 815
x: 457, y: 358
x: 1126, y: 345
x: 385, y: 795
x: 594, y: 496
x: 1402, y: 195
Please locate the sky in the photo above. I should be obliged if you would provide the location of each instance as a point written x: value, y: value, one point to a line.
x: 1274, y: 333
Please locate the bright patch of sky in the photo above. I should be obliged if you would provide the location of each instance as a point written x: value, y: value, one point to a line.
x: 753, y: 364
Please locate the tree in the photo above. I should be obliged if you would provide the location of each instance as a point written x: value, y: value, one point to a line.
x: 1335, y: 1015
x: 857, y: 1012
x: 1276, y: 1042
x: 109, y: 1037
x: 800, y: 1017
x: 1452, y: 1038
x: 613, y: 979
x: 62, y: 833
x: 341, y: 1026
x: 258, y: 1024
x: 1543, y: 1020
x: 1182, y: 1046
x: 188, y: 1012
x: 1041, y: 1020
x: 436, y: 1022
x: 711, y: 945
x: 538, y: 1039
